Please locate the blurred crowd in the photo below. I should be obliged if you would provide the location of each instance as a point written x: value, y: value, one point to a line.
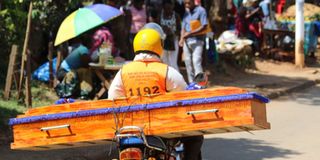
x: 187, y: 32
x: 184, y: 23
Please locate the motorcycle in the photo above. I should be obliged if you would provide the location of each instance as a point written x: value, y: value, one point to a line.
x: 133, y: 144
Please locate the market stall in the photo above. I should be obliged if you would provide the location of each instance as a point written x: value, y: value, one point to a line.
x: 312, y: 25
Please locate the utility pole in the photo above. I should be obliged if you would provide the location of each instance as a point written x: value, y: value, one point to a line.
x: 299, y: 35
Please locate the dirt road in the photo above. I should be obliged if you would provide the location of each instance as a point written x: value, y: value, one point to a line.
x: 270, y: 77
x: 294, y: 133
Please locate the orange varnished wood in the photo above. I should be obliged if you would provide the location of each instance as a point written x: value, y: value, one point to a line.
x: 84, y: 105
x: 233, y: 116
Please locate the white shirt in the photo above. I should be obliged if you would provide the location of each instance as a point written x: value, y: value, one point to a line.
x: 174, y: 80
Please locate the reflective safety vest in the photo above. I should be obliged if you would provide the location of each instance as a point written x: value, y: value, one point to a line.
x: 141, y: 78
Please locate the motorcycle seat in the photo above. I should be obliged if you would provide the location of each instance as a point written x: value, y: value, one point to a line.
x: 156, y: 142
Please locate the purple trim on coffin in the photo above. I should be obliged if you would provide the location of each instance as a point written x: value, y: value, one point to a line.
x: 94, y: 112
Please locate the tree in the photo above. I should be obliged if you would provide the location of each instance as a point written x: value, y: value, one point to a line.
x: 46, y: 17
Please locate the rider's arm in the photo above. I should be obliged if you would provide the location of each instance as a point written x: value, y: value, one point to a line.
x: 116, y: 89
x: 175, y: 81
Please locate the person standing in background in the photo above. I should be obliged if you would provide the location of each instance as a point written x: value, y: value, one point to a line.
x: 153, y: 8
x: 179, y: 8
x: 138, y: 16
x: 280, y: 5
x: 120, y: 27
x: 197, y: 2
x: 193, y: 32
x: 254, y: 19
x: 170, y: 22
x: 268, y: 20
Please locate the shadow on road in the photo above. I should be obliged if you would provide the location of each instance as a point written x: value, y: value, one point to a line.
x: 5, y: 115
x: 263, y: 81
x: 231, y: 149
x: 309, y: 98
x: 100, y: 152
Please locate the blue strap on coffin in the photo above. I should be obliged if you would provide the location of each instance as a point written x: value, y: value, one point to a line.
x: 194, y: 86
x: 139, y: 107
x: 65, y: 100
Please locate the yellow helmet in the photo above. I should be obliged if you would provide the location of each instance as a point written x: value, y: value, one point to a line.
x: 148, y: 41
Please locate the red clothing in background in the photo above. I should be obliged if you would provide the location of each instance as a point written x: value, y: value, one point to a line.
x: 280, y: 6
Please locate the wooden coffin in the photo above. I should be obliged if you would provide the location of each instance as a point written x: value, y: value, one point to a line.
x: 177, y: 114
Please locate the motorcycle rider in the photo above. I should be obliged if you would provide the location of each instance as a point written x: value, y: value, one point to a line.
x: 147, y: 75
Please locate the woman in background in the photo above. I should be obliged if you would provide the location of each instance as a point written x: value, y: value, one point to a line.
x: 170, y: 22
x: 138, y: 14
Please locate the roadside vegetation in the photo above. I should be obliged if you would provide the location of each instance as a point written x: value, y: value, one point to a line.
x: 41, y: 96
x: 46, y: 18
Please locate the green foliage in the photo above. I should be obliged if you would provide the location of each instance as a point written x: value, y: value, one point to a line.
x: 8, y: 109
x: 47, y: 15
x: 42, y: 96
x: 13, y: 18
